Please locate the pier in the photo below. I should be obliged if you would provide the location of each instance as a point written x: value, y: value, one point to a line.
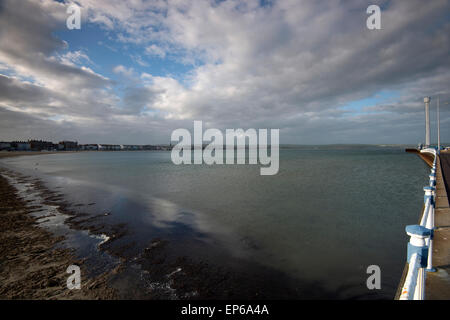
x: 427, y: 272
x: 438, y: 283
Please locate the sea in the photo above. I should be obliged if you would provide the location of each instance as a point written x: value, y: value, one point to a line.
x: 323, y: 219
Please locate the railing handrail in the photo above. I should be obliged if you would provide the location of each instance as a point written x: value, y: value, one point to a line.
x: 426, y: 211
x: 420, y: 246
x: 409, y: 287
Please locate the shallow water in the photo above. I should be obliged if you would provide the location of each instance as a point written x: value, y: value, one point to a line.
x: 325, y: 217
x: 52, y: 218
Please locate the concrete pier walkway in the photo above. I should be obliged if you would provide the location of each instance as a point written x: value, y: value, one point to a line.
x: 438, y: 283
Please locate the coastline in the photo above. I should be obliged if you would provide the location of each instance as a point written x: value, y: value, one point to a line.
x: 32, y: 264
x: 10, y: 154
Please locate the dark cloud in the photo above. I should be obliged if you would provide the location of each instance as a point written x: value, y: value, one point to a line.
x: 15, y: 91
x: 293, y: 65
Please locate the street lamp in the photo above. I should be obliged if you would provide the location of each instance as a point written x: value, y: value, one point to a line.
x: 427, y: 121
x: 438, y: 125
x: 439, y: 136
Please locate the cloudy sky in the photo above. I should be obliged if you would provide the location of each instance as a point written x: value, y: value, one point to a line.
x: 136, y: 70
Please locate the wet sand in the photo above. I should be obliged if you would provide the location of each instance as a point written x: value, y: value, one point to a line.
x: 9, y: 154
x: 30, y: 266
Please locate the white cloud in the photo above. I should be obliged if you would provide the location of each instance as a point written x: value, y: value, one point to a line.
x: 120, y: 69
x: 75, y: 57
x: 154, y: 50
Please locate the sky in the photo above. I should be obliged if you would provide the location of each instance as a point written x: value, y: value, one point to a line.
x: 137, y: 70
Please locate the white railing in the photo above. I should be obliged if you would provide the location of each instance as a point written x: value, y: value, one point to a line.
x: 410, y: 284
x: 420, y: 246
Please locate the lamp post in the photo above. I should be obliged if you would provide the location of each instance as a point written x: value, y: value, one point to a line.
x: 439, y: 137
x: 438, y: 125
x: 427, y: 121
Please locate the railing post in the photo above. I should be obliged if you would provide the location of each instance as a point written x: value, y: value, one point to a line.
x: 432, y: 179
x: 414, y: 285
x: 417, y: 243
x: 429, y: 194
x: 417, y: 246
x: 429, y: 221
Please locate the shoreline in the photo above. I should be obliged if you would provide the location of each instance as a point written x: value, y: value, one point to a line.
x: 10, y: 154
x: 33, y: 266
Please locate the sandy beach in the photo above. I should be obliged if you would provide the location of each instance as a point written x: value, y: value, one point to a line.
x: 9, y: 154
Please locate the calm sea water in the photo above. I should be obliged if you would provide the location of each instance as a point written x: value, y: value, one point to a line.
x: 326, y: 216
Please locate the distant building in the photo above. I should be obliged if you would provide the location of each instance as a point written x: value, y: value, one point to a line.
x: 20, y: 146
x: 131, y: 147
x: 5, y: 146
x: 149, y: 147
x: 39, y: 145
x: 91, y: 147
x: 68, y: 145
x: 110, y: 147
